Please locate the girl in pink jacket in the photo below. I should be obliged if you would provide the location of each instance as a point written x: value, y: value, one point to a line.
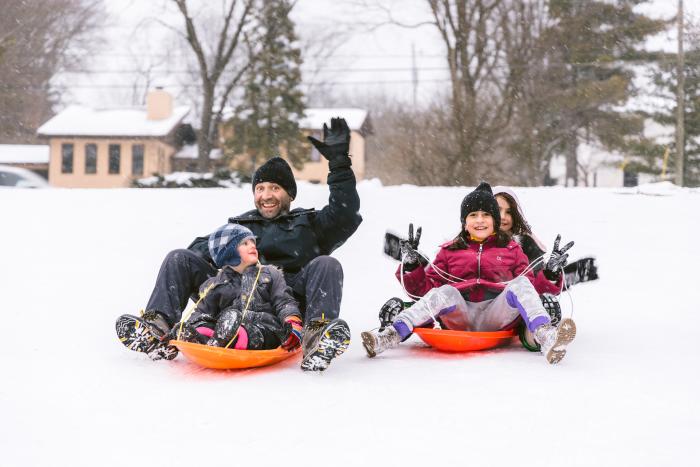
x: 480, y: 281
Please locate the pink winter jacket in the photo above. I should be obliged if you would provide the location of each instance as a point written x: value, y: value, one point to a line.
x: 482, y: 267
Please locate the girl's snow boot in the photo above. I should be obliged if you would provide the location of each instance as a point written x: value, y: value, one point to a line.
x: 376, y: 342
x: 323, y: 341
x: 553, y: 340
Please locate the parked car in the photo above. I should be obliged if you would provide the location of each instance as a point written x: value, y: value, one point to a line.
x: 20, y: 178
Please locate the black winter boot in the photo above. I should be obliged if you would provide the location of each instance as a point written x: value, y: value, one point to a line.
x: 226, y: 328
x: 148, y: 334
x: 323, y: 341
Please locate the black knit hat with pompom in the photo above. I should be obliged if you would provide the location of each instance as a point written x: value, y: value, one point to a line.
x: 277, y: 170
x: 481, y: 199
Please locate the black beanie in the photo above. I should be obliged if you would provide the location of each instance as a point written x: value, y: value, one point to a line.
x: 481, y: 199
x: 276, y: 170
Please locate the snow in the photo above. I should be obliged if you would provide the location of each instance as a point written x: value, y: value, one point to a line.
x: 191, y: 151
x: 24, y: 154
x: 86, y: 121
x: 72, y: 395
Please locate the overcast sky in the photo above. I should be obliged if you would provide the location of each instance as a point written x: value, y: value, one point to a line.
x: 367, y: 61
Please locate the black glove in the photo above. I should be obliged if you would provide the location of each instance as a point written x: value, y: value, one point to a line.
x: 336, y: 143
x: 409, y: 254
x: 582, y: 270
x: 389, y: 311
x: 557, y: 260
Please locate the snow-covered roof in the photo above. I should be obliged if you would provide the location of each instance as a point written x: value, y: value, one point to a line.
x: 316, y: 117
x: 191, y: 151
x: 85, y: 121
x: 24, y: 154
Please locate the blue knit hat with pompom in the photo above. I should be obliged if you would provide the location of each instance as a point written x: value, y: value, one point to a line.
x: 223, y: 244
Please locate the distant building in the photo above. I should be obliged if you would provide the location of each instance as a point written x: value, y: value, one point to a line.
x: 316, y: 169
x: 34, y: 157
x: 107, y: 148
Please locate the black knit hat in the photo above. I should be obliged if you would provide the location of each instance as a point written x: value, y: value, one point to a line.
x: 276, y: 170
x: 481, y: 199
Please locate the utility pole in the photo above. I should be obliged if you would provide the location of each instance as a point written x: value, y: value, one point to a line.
x: 414, y: 75
x: 680, y: 107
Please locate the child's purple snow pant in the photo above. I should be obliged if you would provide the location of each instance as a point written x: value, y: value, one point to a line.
x: 519, y: 298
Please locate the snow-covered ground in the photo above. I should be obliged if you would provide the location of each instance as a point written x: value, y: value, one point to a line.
x: 70, y: 394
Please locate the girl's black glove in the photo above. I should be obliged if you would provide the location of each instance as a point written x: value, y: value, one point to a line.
x: 557, y: 260
x: 409, y: 250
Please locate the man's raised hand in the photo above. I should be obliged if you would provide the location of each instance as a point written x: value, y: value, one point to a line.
x: 335, y: 144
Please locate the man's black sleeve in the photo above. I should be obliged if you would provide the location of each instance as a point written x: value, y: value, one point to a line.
x: 200, y: 246
x: 336, y: 222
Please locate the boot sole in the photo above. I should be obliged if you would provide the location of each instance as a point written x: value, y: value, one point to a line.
x: 137, y: 335
x: 566, y: 332
x: 368, y: 344
x: 331, y: 344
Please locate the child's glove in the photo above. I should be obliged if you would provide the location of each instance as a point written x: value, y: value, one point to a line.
x: 336, y: 143
x: 294, y: 339
x: 409, y: 250
x: 582, y: 270
x: 557, y: 260
x: 389, y: 311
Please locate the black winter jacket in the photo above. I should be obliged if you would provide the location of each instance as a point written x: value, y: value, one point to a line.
x: 272, y: 301
x: 292, y: 240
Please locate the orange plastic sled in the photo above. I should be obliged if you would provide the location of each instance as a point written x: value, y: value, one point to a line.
x: 230, y: 359
x: 463, y: 341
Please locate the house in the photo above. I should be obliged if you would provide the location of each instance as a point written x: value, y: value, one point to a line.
x: 315, y: 170
x: 109, y: 147
x: 34, y: 157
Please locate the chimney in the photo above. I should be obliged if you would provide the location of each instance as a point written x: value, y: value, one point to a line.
x: 159, y: 104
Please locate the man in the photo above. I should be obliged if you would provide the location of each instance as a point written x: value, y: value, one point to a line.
x: 299, y: 241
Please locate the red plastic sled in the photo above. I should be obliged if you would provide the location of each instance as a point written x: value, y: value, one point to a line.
x: 230, y: 359
x: 463, y: 341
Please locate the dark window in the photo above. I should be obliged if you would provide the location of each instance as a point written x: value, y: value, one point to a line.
x: 137, y: 159
x: 315, y: 155
x: 67, y: 158
x: 90, y: 158
x: 629, y: 178
x: 8, y: 179
x: 115, y: 154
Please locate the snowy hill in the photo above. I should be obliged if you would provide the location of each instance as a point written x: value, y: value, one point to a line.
x: 70, y: 394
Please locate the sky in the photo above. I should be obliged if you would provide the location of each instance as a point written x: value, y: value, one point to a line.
x: 367, y: 58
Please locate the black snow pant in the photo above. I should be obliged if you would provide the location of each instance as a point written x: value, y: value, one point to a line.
x: 318, y: 286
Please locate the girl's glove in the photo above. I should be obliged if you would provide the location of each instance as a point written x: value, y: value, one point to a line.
x: 294, y: 339
x: 557, y: 260
x: 409, y: 250
x: 336, y: 143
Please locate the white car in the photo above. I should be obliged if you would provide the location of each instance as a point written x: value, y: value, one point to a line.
x: 20, y: 178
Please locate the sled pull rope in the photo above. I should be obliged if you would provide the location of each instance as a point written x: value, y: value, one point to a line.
x: 247, y: 304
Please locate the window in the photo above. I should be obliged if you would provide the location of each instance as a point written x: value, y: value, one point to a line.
x: 90, y: 158
x: 8, y: 179
x: 67, y: 158
x: 137, y: 159
x: 114, y: 158
x: 315, y: 155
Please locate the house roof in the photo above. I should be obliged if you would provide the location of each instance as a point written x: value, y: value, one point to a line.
x: 85, y: 121
x: 24, y: 154
x: 315, y: 117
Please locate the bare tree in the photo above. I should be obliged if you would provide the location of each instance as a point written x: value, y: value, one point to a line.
x: 219, y: 66
x: 38, y: 39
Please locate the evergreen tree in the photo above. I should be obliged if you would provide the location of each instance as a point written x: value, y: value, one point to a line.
x: 667, y: 81
x: 589, y: 48
x: 267, y: 120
